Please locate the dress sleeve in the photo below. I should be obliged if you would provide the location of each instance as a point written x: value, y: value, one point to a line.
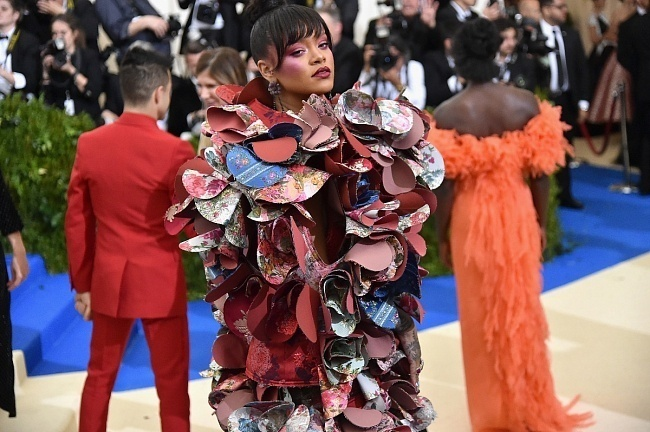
x: 543, y: 144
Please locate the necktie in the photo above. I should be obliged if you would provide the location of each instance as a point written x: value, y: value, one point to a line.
x: 561, y: 60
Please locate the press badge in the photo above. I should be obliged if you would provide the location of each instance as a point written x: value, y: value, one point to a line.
x: 68, y: 106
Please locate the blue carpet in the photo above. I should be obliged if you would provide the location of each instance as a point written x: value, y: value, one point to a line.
x: 612, y: 228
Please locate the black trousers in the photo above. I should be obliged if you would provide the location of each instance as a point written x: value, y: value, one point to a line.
x: 7, y: 397
x: 642, y: 121
x: 569, y: 116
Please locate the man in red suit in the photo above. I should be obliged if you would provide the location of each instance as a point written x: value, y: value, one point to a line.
x: 119, y: 252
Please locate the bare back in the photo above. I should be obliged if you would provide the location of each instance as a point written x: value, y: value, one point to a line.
x: 487, y: 109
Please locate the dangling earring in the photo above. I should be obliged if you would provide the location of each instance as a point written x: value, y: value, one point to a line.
x: 274, y: 88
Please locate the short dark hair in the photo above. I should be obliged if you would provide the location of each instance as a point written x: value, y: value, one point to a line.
x: 278, y: 25
x: 543, y: 3
x: 474, y: 48
x: 503, y: 24
x: 142, y: 71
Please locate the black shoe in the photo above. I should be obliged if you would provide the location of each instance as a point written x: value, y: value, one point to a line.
x: 572, y: 203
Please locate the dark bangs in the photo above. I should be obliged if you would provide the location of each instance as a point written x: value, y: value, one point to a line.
x: 283, y: 27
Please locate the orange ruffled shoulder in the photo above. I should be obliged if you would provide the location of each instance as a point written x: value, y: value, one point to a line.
x: 540, y: 146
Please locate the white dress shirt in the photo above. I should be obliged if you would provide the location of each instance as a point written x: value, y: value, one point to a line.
x: 412, y: 77
x: 5, y: 63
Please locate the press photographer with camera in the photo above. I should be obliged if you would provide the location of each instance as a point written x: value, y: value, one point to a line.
x: 389, y: 73
x: 39, y: 14
x: 414, y: 21
x: 72, y: 75
x: 126, y: 21
x: 215, y: 21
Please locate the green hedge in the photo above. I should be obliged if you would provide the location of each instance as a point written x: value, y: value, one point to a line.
x: 37, y: 152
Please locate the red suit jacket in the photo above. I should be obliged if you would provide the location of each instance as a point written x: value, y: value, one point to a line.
x: 120, y: 188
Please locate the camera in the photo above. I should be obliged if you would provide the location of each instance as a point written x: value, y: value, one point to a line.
x: 383, y: 59
x: 207, y: 12
x: 531, y: 39
x: 56, y: 48
x: 174, y: 26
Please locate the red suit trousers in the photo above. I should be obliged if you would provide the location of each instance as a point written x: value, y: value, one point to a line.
x: 168, y: 340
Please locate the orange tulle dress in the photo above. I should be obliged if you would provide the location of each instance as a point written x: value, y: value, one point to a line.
x: 496, y: 252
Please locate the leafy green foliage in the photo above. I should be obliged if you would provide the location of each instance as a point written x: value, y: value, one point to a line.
x: 36, y: 155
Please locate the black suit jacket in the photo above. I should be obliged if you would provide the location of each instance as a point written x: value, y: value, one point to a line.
x: 634, y: 53
x: 436, y: 73
x: 448, y: 14
x: 26, y: 59
x: 40, y: 24
x: 231, y: 34
x: 523, y: 73
x: 184, y: 101
x: 576, y: 62
x: 348, y: 61
x: 61, y: 84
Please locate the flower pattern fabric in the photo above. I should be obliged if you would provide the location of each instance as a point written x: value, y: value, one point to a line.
x: 308, y: 224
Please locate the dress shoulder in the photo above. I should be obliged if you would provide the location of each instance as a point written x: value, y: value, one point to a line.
x: 539, y: 147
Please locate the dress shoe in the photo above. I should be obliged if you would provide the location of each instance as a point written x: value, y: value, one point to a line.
x: 572, y: 203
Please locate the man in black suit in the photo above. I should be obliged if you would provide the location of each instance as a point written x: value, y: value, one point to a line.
x: 634, y: 55
x: 414, y: 24
x: 440, y: 78
x: 348, y: 58
x: 515, y: 67
x: 569, y: 81
x: 20, y: 63
x: 38, y: 19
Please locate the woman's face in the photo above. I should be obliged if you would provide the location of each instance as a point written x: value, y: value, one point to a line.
x: 307, y: 68
x: 61, y: 30
x: 206, y: 86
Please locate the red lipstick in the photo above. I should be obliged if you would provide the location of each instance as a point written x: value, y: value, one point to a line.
x: 323, y: 72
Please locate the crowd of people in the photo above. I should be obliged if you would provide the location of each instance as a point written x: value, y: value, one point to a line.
x: 314, y: 176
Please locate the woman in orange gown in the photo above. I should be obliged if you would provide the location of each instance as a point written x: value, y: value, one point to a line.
x: 499, y: 144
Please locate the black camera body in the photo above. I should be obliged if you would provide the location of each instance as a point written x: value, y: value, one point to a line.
x: 174, y: 26
x: 383, y: 59
x: 56, y: 48
x: 207, y: 12
x: 531, y: 39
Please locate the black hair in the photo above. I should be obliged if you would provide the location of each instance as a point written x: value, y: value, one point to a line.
x: 142, y: 71
x: 543, y: 3
x: 278, y: 25
x: 474, y: 48
x: 449, y: 28
x: 504, y: 24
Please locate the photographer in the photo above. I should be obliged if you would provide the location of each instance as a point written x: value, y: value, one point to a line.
x: 414, y: 22
x: 515, y: 68
x: 39, y: 14
x: 126, y: 21
x: 389, y: 73
x: 72, y: 77
x: 215, y: 21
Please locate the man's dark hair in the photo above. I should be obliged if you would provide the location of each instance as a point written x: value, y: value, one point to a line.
x: 142, y: 71
x: 543, y: 3
x: 504, y: 24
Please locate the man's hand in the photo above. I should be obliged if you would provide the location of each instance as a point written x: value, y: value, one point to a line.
x: 429, y: 12
x: 50, y: 7
x: 82, y: 305
x: 492, y: 12
x: 411, y: 346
